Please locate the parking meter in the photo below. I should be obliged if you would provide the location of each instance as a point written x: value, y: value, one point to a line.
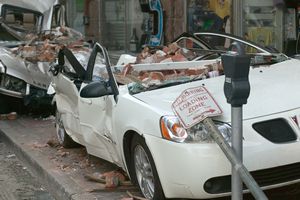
x: 237, y: 90
x: 236, y: 86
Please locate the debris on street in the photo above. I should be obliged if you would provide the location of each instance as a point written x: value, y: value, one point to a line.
x: 53, y: 143
x: 37, y: 145
x: 111, y: 179
x: 11, y: 156
x: 133, y: 197
x: 9, y: 116
x: 62, y: 153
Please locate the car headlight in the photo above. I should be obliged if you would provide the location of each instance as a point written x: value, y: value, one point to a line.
x: 172, y: 130
x: 14, y: 84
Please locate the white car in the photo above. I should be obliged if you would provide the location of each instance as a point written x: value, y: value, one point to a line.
x: 132, y: 124
x: 30, y: 31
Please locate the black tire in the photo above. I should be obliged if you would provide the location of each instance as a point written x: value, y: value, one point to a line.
x: 4, y: 106
x: 63, y: 138
x: 9, y: 104
x: 153, y: 189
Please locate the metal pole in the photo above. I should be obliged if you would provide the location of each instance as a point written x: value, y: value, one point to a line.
x: 236, y: 163
x: 237, y: 147
x: 238, y: 17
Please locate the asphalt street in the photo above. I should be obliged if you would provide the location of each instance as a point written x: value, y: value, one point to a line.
x: 16, y: 183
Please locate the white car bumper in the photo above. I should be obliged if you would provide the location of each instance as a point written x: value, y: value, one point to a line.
x: 185, y: 169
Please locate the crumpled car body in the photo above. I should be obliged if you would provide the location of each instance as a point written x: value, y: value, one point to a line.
x: 124, y: 115
x: 19, y: 78
x: 32, y: 33
x: 20, y: 17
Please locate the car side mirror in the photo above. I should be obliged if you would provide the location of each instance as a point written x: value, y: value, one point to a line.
x: 96, y: 89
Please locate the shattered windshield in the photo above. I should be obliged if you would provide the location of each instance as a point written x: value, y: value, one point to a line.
x: 185, y: 61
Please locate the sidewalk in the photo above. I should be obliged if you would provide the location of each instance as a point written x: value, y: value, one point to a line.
x: 62, y: 171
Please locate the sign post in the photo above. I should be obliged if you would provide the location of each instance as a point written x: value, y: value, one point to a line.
x: 234, y: 160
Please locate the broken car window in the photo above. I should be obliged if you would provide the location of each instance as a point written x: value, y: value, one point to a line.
x: 100, y: 71
x: 20, y: 19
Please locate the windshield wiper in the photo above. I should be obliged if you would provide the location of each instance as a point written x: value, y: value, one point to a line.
x: 135, y: 88
x: 154, y: 87
x: 173, y: 83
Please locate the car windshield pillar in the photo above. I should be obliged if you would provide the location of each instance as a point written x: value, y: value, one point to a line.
x: 98, y: 49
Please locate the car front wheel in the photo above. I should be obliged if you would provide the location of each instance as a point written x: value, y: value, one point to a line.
x: 63, y: 138
x: 145, y: 174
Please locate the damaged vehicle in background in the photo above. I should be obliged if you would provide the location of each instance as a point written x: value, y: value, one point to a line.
x: 124, y: 114
x: 31, y: 32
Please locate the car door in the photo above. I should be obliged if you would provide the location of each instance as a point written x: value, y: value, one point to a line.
x: 67, y: 82
x: 96, y: 109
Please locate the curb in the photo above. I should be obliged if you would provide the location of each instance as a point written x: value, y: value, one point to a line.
x: 60, y: 187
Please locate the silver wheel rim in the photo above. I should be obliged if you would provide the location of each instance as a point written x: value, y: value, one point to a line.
x: 144, y: 172
x: 60, y: 131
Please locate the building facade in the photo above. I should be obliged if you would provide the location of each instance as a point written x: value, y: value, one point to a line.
x: 121, y: 24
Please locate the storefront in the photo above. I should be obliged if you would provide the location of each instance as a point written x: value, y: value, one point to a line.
x: 270, y: 23
x: 75, y: 14
x: 125, y: 25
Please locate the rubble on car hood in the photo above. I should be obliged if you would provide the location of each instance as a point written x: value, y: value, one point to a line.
x: 36, y: 5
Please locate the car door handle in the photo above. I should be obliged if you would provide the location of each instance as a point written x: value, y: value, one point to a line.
x: 86, y: 101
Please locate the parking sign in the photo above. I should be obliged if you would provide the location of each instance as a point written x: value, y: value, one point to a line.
x: 194, y: 105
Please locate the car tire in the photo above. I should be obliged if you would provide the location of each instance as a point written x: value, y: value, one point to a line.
x: 63, y: 138
x: 4, y: 104
x: 144, y: 172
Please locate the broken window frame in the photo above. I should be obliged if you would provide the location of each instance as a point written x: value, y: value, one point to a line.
x: 58, y: 17
x: 38, y: 19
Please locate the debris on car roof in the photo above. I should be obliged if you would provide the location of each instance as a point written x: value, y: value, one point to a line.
x: 142, y: 71
x: 45, y: 47
x: 171, y: 53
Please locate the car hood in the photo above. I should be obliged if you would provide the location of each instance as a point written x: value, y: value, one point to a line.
x: 36, y: 5
x: 36, y: 74
x: 274, y: 89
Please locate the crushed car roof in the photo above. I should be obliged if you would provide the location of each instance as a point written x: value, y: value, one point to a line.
x: 36, y: 5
